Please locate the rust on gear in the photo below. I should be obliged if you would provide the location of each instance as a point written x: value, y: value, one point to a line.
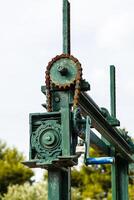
x: 75, y: 82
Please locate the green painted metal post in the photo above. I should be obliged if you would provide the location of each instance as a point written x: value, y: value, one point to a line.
x: 53, y: 135
x: 113, y: 91
x: 59, y: 181
x: 66, y: 125
x: 66, y: 49
x: 58, y: 188
x: 120, y: 167
x: 120, y: 179
x: 54, y: 184
x: 66, y: 27
x: 113, y: 113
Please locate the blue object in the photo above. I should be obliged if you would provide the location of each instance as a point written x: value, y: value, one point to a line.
x: 100, y: 160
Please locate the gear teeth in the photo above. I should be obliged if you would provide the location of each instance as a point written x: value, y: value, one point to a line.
x: 75, y: 82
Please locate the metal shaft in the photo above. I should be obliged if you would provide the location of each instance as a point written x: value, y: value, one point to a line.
x: 119, y: 168
x: 59, y: 183
x: 113, y: 91
x: 66, y: 27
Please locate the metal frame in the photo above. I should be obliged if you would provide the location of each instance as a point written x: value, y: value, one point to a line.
x: 115, y: 145
x: 89, y: 107
x: 112, y: 143
x: 59, y: 181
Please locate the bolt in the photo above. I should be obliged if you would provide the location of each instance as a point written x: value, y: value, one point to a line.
x: 57, y: 99
x: 48, y: 138
x: 62, y: 70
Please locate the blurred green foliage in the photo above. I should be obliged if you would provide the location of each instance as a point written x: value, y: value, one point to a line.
x: 11, y: 170
x: 37, y: 191
x: 88, y: 183
x: 93, y: 181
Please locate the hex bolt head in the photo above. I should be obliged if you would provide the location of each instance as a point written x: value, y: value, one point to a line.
x: 48, y: 138
x: 63, y: 70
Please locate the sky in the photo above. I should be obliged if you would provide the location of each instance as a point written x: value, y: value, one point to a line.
x: 102, y: 34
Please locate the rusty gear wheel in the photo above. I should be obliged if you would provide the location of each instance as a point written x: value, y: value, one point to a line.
x: 63, y: 71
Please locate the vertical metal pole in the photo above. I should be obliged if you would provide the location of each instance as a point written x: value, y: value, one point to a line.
x: 54, y: 184
x: 114, y: 178
x: 112, y: 91
x: 120, y: 167
x: 113, y: 114
x: 59, y: 184
x: 122, y: 179
x: 66, y: 184
x: 66, y: 27
x: 66, y: 175
x: 59, y: 181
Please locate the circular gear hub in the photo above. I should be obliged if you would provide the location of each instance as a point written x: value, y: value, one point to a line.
x: 64, y: 70
x: 47, y: 140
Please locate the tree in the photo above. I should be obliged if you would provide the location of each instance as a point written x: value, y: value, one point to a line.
x: 37, y: 191
x: 131, y: 192
x: 11, y: 169
x: 92, y: 181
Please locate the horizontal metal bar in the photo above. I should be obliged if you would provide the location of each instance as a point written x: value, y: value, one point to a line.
x: 89, y: 107
x: 99, y: 160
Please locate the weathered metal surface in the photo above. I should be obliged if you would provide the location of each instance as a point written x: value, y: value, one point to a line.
x: 120, y: 190
x: 113, y: 114
x: 71, y: 78
x: 112, y: 91
x: 89, y: 107
x: 58, y: 184
x: 55, y: 183
x: 65, y: 189
x: 66, y: 27
x: 66, y: 126
x: 119, y: 168
x: 54, y: 135
x: 109, y: 118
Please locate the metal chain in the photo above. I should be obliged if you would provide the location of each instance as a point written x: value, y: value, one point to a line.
x: 76, y: 82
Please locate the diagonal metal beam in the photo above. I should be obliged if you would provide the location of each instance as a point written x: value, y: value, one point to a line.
x: 89, y: 107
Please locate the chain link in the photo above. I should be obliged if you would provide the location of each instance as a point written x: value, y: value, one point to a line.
x: 75, y: 82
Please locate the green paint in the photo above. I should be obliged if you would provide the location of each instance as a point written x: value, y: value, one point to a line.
x: 110, y: 118
x: 120, y: 180
x: 66, y: 137
x: 113, y: 114
x: 59, y: 78
x: 120, y: 167
x: 59, y: 184
x: 66, y: 27
x: 62, y: 192
x: 66, y: 184
x: 113, y: 91
x: 53, y: 135
x: 111, y: 134
x: 54, y: 185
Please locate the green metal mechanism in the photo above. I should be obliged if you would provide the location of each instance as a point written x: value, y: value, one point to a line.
x: 71, y: 114
x: 63, y: 72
